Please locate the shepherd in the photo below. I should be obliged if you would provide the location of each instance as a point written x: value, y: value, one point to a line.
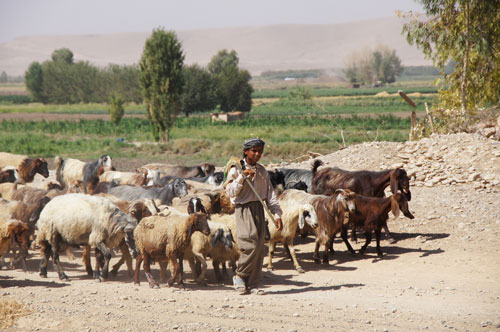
x: 249, y: 186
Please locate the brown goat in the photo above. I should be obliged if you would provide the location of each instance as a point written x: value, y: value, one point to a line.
x: 365, y: 183
x: 332, y: 213
x: 372, y: 214
x: 12, y: 230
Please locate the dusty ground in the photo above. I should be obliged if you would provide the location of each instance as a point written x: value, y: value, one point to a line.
x: 442, y: 274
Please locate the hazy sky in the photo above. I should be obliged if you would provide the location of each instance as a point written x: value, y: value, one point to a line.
x: 36, y: 17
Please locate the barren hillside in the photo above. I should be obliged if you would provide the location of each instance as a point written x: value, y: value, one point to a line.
x: 260, y: 48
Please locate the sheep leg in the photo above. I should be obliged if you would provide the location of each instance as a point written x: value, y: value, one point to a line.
x: 138, y: 261
x: 192, y: 265
x: 202, y: 260
x: 294, y: 257
x: 218, y: 276
x: 86, y: 261
x: 272, y: 247
x: 163, y: 271
x: 377, y: 238
x: 174, y: 266
x: 343, y: 234
x: 126, y: 258
x: 98, y: 263
x: 107, y: 257
x: 147, y: 271
x: 55, y: 257
x: 46, y: 249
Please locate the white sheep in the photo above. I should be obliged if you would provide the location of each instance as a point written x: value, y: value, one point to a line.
x: 295, y: 214
x: 82, y: 220
x: 165, y: 239
x: 138, y: 178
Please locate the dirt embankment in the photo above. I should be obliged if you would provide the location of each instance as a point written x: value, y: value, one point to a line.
x: 441, y: 275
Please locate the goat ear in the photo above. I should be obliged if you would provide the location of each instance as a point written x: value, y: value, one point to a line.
x: 302, y: 221
x: 217, y: 237
x: 190, y: 207
x: 203, y: 209
x: 394, y: 180
x: 394, y: 206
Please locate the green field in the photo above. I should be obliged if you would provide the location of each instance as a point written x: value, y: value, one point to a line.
x: 291, y: 128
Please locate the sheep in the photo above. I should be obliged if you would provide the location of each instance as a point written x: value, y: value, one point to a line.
x: 201, y: 246
x: 26, y: 167
x: 71, y: 171
x: 365, y: 183
x: 138, y: 209
x: 177, y: 188
x: 332, y: 213
x: 137, y: 179
x: 372, y: 214
x: 79, y: 219
x: 294, y: 214
x: 34, y: 195
x: 213, y: 179
x: 221, y: 254
x: 9, y: 175
x: 183, y: 171
x: 12, y: 230
x: 164, y: 239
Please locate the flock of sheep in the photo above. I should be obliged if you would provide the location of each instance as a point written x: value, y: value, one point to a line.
x: 167, y: 214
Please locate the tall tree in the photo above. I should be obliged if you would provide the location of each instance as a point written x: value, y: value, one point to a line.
x: 234, y: 91
x: 467, y: 32
x: 4, y: 77
x: 161, y: 80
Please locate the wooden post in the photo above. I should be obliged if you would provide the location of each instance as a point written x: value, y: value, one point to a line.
x: 413, y: 114
x: 429, y: 117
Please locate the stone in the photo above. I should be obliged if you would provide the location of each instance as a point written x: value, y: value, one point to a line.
x: 474, y: 177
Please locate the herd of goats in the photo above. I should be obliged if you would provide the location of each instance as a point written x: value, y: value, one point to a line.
x: 167, y: 214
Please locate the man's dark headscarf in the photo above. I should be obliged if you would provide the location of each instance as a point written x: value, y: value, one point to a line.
x: 253, y: 142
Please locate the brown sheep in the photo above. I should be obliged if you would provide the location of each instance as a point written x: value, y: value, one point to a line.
x: 13, y: 230
x: 8, y: 175
x: 164, y: 239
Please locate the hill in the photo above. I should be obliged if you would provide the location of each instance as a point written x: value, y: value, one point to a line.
x: 260, y: 48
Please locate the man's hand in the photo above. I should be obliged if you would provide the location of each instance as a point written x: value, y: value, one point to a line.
x: 250, y: 173
x: 279, y: 224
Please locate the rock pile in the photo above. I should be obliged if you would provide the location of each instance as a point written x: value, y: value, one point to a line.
x: 438, y: 160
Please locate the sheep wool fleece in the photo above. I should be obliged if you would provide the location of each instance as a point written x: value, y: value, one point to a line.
x: 250, y: 230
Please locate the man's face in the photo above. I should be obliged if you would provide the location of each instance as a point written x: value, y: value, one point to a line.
x: 253, y: 154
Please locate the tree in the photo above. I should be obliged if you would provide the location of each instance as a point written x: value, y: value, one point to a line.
x: 4, y: 78
x: 116, y: 109
x: 234, y: 91
x: 368, y: 67
x: 467, y: 32
x: 161, y: 80
x: 34, y: 81
x: 62, y: 55
x: 199, y: 93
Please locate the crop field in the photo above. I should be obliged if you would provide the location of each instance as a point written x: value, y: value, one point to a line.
x: 291, y: 128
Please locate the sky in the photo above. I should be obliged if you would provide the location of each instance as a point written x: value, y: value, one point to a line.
x: 68, y: 17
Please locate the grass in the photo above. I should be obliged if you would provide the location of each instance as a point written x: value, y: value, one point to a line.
x: 10, y: 311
